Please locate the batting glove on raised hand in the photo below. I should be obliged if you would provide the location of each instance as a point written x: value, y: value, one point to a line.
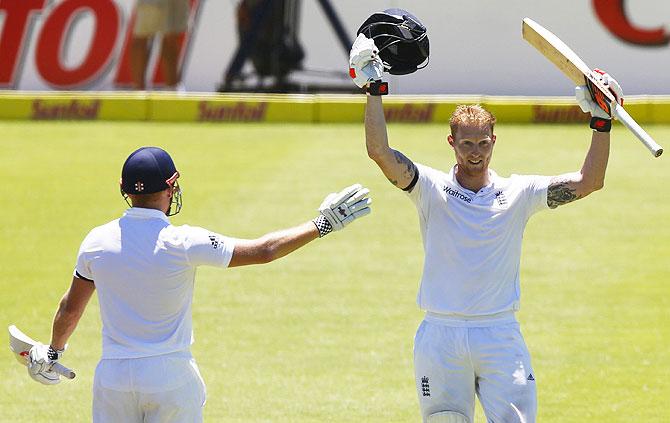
x: 365, y: 65
x: 339, y: 209
x: 600, y: 120
x: 41, y: 359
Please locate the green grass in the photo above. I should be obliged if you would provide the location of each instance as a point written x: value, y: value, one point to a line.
x: 325, y: 335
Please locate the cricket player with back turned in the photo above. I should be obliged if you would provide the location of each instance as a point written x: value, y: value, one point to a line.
x: 472, y: 222
x: 143, y: 269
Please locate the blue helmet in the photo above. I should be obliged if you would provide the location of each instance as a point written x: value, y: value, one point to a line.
x: 148, y: 170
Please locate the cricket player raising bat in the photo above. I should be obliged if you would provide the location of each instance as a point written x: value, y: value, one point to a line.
x: 143, y: 269
x: 472, y: 222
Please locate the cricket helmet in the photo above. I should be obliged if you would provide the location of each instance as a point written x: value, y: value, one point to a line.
x: 401, y: 39
x: 148, y: 170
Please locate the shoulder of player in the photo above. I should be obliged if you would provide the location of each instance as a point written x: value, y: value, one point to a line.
x: 103, y: 230
x: 188, y: 235
x: 431, y: 173
x: 518, y: 179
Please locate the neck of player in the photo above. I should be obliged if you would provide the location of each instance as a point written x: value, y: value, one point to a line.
x: 472, y: 179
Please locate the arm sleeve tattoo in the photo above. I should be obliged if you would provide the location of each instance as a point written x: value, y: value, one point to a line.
x: 409, y: 171
x: 559, y: 192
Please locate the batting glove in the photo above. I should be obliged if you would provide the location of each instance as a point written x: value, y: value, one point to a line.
x: 610, y: 83
x: 41, y: 359
x: 365, y: 65
x: 339, y: 209
x: 600, y: 120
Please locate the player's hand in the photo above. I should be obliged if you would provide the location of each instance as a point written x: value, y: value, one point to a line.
x: 587, y: 104
x: 610, y: 83
x: 339, y: 209
x: 41, y: 359
x: 365, y: 65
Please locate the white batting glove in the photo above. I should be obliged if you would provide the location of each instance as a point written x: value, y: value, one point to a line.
x: 610, y: 83
x: 339, y: 209
x: 41, y: 359
x: 587, y: 104
x: 365, y: 65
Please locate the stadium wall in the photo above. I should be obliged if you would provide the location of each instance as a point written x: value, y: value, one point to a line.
x: 476, y: 46
x: 318, y: 108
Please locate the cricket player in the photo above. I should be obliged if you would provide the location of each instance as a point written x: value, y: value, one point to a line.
x: 143, y: 269
x: 472, y: 222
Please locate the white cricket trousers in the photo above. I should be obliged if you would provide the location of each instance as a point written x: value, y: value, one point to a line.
x: 161, y: 389
x: 454, y: 360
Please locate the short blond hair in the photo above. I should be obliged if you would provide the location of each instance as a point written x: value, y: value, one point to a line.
x: 471, y: 115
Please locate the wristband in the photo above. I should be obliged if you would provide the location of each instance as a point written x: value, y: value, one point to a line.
x: 54, y: 354
x: 323, y: 225
x: 378, y: 88
x: 601, y: 124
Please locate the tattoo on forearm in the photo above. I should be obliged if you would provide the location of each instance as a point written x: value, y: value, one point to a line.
x: 410, y: 168
x: 559, y: 193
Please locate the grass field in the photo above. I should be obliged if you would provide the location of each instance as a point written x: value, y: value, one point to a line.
x: 325, y: 335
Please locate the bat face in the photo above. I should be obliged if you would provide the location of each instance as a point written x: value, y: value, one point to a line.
x: 580, y: 73
x: 567, y: 61
x: 20, y: 344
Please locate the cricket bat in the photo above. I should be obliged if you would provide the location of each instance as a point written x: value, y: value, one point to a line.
x: 20, y: 344
x: 580, y: 73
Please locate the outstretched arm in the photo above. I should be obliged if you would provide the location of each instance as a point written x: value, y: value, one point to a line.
x: 272, y: 246
x: 335, y: 212
x: 397, y: 168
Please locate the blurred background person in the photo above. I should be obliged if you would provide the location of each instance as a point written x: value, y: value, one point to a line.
x: 169, y: 18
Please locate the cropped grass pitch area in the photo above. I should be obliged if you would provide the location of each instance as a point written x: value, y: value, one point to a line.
x: 325, y: 334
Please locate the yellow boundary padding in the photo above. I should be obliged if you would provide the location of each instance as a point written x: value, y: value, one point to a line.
x: 295, y: 108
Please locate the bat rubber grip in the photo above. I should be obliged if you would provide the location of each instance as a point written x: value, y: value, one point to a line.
x: 622, y: 115
x: 63, y: 371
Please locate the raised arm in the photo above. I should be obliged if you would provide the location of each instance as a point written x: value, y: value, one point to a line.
x: 365, y: 67
x: 336, y: 211
x: 569, y: 187
x: 397, y: 167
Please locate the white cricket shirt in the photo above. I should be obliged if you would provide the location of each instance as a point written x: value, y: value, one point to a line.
x: 472, y: 241
x: 143, y: 269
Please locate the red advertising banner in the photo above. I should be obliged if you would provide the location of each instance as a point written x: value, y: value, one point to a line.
x: 476, y: 47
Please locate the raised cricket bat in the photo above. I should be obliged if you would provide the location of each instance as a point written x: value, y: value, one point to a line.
x: 580, y: 73
x: 20, y: 344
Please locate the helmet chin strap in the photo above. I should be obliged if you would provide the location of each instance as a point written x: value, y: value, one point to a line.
x: 126, y: 197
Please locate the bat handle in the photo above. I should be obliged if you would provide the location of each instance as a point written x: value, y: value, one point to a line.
x: 622, y: 115
x: 63, y: 371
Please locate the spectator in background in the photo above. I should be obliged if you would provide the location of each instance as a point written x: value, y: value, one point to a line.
x: 168, y: 18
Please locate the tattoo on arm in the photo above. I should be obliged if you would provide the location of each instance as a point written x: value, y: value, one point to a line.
x: 409, y: 168
x: 559, y: 193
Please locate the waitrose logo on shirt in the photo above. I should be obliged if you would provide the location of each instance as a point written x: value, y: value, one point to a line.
x: 457, y: 194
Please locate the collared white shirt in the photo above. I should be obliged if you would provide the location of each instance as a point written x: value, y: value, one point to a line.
x: 144, y: 269
x: 472, y: 241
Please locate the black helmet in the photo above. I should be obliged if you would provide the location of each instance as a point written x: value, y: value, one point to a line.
x: 401, y: 39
